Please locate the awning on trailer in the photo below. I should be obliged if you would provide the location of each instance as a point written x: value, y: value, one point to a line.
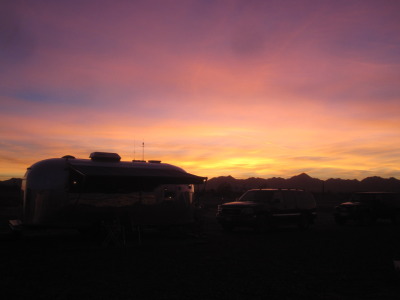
x: 100, y: 178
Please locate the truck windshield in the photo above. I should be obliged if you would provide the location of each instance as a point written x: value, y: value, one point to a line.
x: 257, y: 196
x: 369, y: 198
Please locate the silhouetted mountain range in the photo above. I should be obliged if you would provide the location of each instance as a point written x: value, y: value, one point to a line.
x: 11, y: 182
x: 304, y: 181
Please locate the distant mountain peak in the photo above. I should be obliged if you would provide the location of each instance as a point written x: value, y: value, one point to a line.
x: 302, y: 176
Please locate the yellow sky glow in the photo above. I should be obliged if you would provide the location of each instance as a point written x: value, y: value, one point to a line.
x: 240, y: 88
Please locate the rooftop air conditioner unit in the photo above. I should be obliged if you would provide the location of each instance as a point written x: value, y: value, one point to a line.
x: 105, y: 156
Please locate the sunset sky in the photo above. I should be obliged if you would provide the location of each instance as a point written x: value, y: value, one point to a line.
x: 248, y: 88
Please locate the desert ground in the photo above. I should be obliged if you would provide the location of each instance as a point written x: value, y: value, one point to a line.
x: 324, y: 262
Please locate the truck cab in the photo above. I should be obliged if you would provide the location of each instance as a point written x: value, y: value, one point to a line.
x: 261, y: 208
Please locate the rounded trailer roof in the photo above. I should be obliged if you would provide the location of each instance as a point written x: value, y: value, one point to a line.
x: 133, y: 170
x: 92, y: 173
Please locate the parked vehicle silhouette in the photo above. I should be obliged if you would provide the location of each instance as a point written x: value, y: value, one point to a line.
x: 367, y: 207
x: 259, y: 208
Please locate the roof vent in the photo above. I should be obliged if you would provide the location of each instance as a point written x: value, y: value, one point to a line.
x: 105, y: 156
x: 68, y: 157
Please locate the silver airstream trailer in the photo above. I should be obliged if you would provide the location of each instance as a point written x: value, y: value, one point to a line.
x: 70, y: 192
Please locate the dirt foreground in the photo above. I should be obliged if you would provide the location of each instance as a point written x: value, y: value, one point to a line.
x: 324, y: 262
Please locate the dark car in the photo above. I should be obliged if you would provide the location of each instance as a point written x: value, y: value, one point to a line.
x: 260, y: 208
x: 367, y: 207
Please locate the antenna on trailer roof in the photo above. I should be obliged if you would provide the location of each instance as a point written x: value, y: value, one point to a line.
x: 143, y: 150
x: 134, y: 149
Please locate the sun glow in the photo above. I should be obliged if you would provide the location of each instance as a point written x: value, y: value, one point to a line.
x: 260, y: 89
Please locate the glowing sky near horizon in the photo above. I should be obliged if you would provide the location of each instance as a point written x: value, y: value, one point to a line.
x: 238, y: 87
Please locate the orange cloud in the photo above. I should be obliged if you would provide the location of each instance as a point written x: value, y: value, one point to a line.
x: 242, y: 89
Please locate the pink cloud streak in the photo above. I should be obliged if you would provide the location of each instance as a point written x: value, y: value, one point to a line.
x: 207, y: 85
